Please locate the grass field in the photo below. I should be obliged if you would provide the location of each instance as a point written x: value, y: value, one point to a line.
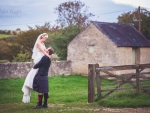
x: 125, y: 98
x: 68, y: 94
x: 4, y: 36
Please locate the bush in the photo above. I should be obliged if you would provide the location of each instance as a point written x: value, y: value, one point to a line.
x: 22, y: 57
x: 3, y: 61
x: 62, y: 38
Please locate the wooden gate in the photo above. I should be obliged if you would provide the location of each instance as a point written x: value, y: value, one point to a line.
x: 94, y: 74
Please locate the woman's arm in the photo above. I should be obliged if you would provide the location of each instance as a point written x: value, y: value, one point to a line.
x: 40, y: 63
x: 41, y: 49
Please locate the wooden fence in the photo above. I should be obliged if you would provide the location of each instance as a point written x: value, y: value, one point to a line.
x: 94, y: 74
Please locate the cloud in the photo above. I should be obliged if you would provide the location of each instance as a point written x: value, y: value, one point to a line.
x: 41, y: 11
x: 134, y: 3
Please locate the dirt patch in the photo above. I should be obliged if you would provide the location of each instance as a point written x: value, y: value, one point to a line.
x: 128, y: 110
x: 54, y: 105
x: 106, y: 109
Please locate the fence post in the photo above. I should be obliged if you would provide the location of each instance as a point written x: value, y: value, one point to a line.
x: 98, y: 82
x: 91, y: 75
x: 137, y: 78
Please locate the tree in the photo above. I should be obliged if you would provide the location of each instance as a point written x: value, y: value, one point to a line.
x: 22, y: 57
x: 72, y: 13
x: 14, y: 49
x: 14, y: 33
x: 132, y: 17
x: 4, y: 48
x: 18, y: 29
x: 27, y: 39
x: 19, y: 47
x: 8, y: 50
x: 62, y: 38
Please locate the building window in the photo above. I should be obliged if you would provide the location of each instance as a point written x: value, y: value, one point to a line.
x: 133, y: 55
x: 91, y: 48
x: 136, y: 55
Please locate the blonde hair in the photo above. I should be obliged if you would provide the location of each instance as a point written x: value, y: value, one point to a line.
x: 44, y: 35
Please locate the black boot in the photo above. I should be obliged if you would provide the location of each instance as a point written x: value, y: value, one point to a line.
x: 45, y: 100
x: 39, y: 104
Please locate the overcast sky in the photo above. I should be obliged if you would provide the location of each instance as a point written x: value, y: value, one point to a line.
x: 23, y: 13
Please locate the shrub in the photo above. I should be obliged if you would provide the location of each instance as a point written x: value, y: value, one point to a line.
x: 3, y: 61
x: 22, y: 57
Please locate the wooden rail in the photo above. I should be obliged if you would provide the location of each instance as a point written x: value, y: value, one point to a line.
x: 95, y: 75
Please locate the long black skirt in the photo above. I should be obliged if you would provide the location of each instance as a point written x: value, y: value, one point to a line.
x: 40, y: 84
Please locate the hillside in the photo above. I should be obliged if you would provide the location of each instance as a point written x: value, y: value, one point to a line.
x: 4, y: 36
x: 8, y: 33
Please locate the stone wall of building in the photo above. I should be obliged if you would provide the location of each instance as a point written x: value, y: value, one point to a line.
x: 144, y: 55
x: 21, y: 69
x: 90, y: 47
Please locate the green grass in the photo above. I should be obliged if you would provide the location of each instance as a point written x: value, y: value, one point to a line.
x: 4, y: 36
x: 63, y: 89
x: 68, y: 94
x: 125, y: 98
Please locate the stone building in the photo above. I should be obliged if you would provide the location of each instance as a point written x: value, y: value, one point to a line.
x: 108, y: 44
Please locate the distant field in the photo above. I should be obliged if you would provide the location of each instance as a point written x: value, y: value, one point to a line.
x: 4, y: 36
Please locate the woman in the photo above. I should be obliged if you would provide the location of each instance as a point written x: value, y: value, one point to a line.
x: 39, y: 50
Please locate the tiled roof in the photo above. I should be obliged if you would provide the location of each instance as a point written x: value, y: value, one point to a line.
x: 123, y: 35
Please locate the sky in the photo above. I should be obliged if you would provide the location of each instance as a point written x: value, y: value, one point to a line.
x: 23, y: 13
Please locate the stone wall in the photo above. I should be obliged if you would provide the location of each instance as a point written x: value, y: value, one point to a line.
x: 21, y: 69
x: 144, y: 55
